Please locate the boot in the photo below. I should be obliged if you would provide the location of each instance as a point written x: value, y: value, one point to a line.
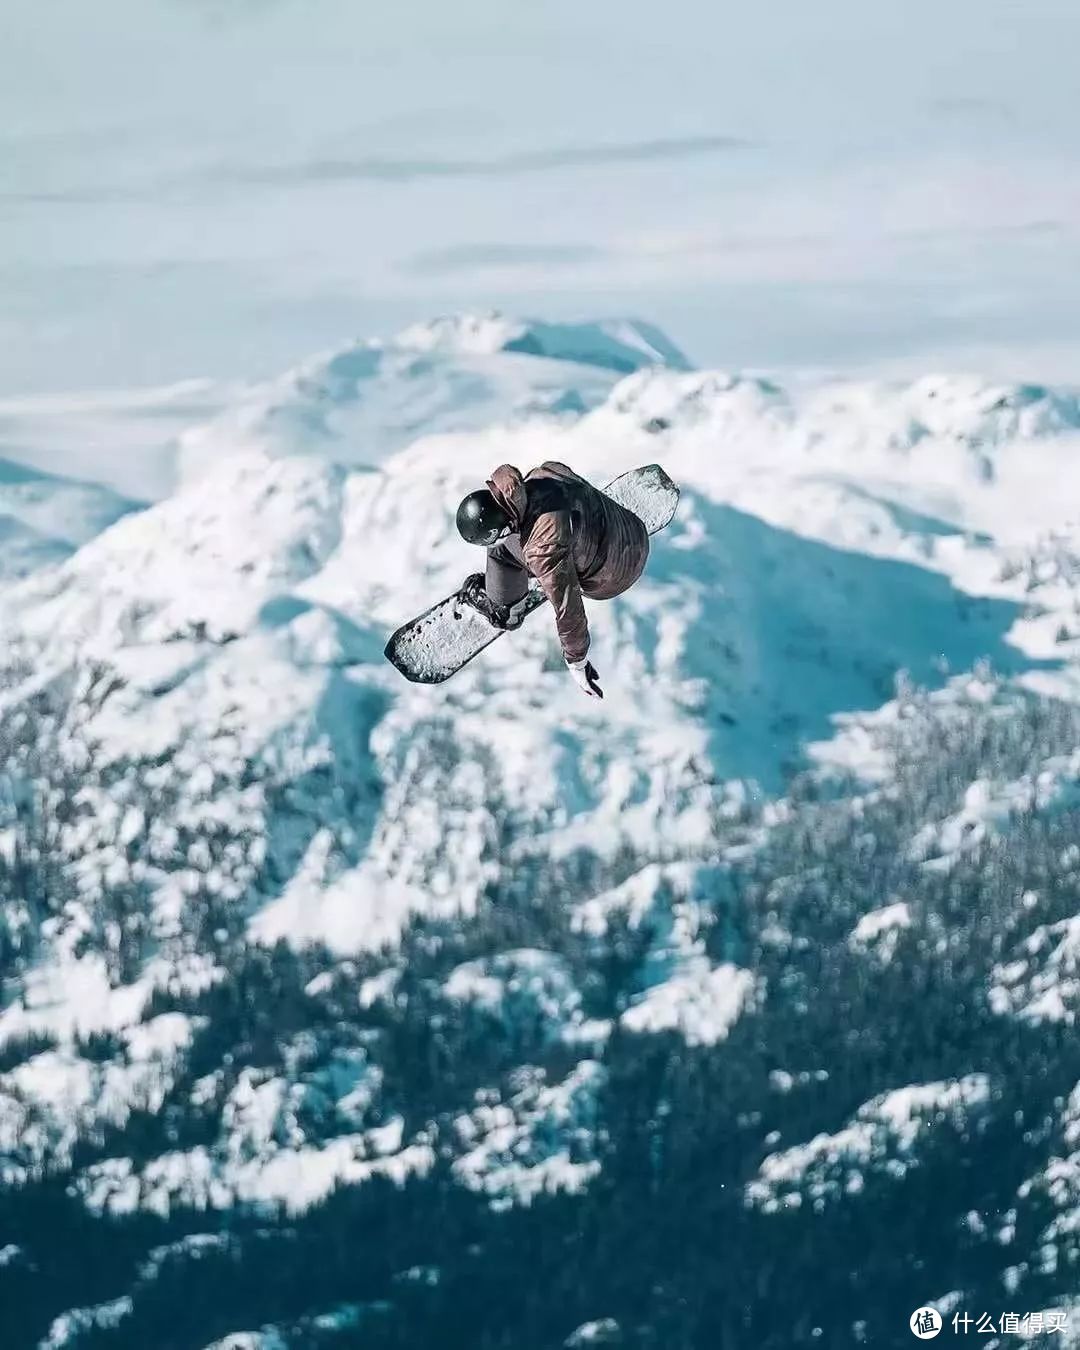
x: 474, y: 592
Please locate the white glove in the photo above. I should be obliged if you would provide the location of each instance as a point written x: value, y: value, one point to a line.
x: 585, y: 676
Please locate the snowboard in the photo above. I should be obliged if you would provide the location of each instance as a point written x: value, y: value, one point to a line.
x: 437, y: 643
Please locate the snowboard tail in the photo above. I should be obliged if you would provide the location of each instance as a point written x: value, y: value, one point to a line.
x: 436, y: 644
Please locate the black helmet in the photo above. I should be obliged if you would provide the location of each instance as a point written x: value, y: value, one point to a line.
x: 480, y: 518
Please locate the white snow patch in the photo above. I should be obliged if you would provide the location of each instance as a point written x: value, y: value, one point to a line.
x: 296, y: 1177
x: 69, y: 1327
x: 602, y: 1331
x: 542, y: 1138
x: 523, y: 987
x: 879, y: 929
x: 265, y: 1152
x: 266, y: 1339
x: 701, y: 1003
x: 50, y: 1100
x: 882, y: 1137
x: 1043, y: 982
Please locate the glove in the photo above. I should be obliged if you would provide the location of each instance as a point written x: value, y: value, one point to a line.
x: 585, y: 676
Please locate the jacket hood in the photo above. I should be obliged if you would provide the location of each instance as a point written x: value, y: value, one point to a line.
x: 507, y: 486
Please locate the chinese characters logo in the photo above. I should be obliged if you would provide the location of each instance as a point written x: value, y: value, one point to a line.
x: 925, y: 1323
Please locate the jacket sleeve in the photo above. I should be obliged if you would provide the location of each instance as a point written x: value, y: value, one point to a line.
x: 550, y: 560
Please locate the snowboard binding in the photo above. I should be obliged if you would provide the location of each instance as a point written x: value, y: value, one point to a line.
x: 473, y: 593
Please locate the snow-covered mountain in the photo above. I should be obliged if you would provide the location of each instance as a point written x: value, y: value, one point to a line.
x: 455, y: 374
x: 279, y: 928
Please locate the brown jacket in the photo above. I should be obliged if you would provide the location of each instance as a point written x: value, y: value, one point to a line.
x: 573, y: 539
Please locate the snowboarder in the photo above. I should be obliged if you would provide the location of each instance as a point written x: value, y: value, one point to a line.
x: 556, y: 527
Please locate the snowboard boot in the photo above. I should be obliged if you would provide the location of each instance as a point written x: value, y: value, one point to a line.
x: 474, y: 592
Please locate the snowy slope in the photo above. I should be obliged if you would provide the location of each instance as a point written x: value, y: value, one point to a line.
x: 204, y: 681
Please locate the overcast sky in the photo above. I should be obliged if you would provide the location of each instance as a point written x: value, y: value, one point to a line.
x: 219, y: 187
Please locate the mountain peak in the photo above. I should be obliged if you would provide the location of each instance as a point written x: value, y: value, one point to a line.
x: 622, y: 345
